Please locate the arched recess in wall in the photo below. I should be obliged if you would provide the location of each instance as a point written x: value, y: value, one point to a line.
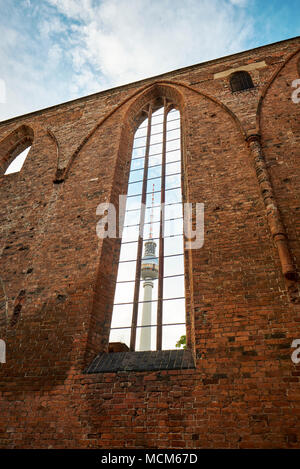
x: 278, y: 123
x: 267, y: 87
x: 12, y: 146
x: 158, y: 96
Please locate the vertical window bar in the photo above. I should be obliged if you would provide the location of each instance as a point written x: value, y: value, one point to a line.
x: 161, y: 234
x: 141, y: 236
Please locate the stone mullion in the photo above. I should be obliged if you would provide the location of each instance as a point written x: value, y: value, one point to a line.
x: 141, y: 237
x: 161, y: 233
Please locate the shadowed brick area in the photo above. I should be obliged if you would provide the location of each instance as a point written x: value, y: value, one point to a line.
x: 142, y: 361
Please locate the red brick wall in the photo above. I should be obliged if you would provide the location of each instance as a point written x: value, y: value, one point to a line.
x: 244, y: 392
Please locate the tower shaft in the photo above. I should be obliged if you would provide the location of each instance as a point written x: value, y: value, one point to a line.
x: 149, y: 272
x: 145, y: 340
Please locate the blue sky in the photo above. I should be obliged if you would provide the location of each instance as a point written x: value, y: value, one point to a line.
x: 56, y: 50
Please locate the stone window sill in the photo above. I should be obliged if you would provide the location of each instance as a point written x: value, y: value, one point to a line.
x: 142, y: 361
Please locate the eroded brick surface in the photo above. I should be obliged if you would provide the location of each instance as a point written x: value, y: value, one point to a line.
x: 57, y: 277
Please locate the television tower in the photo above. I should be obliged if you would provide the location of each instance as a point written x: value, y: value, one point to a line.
x: 149, y: 272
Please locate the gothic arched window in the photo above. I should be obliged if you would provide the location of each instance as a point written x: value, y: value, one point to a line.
x: 16, y: 165
x: 14, y: 150
x: 240, y: 81
x: 149, y: 303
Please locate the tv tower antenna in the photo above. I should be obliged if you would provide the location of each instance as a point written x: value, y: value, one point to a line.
x: 151, y: 216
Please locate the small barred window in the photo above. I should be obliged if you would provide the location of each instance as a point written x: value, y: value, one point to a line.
x: 240, y: 81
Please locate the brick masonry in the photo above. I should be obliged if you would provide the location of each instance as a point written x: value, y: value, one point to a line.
x: 57, y: 277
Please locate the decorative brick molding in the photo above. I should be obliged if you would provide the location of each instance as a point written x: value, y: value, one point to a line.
x: 273, y: 215
x: 246, y: 68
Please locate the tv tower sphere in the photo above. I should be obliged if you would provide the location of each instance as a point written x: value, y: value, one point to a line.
x: 149, y: 268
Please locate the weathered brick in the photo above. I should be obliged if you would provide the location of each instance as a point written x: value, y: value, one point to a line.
x: 57, y: 277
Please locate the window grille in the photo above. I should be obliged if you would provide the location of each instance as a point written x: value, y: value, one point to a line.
x: 152, y: 239
x: 240, y: 81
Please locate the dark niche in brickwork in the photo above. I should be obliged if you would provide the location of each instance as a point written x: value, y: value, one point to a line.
x: 18, y: 307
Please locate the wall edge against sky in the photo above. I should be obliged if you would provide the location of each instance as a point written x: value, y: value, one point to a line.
x: 144, y: 81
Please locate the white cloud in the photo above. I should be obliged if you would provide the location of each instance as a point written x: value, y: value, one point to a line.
x: 51, y: 25
x: 75, y: 47
x: 55, y: 55
x: 75, y: 9
x: 127, y: 41
x: 2, y: 91
x: 239, y: 3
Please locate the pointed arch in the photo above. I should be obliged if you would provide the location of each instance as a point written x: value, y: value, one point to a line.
x: 268, y: 85
x: 131, y: 118
x: 155, y: 94
x: 14, y: 144
x: 59, y: 172
x: 169, y: 87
